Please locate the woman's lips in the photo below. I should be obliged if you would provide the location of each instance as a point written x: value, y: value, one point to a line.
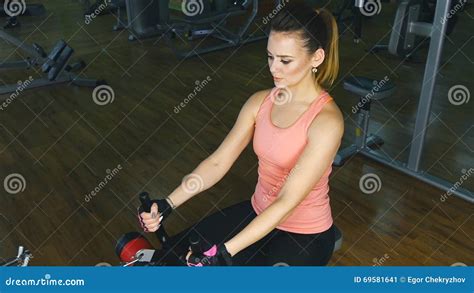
x: 277, y: 78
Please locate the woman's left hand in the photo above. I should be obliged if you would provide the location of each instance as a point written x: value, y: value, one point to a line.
x: 217, y: 255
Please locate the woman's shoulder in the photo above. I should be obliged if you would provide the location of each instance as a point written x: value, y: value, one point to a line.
x: 329, y: 119
x: 256, y: 100
x: 259, y: 96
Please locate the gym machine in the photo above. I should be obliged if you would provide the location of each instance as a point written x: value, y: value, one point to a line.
x: 364, y: 87
x: 22, y: 259
x: 152, y: 18
x: 411, y: 28
x: 54, y: 65
x: 133, y: 249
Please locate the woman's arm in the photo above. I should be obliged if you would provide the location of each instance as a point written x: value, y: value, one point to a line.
x: 324, y: 139
x: 213, y: 168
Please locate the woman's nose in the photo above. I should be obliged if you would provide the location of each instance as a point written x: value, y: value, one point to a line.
x: 273, y: 68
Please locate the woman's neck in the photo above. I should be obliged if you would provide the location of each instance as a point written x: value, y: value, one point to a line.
x: 305, y: 91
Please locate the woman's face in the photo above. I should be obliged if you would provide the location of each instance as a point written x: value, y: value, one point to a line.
x: 288, y: 60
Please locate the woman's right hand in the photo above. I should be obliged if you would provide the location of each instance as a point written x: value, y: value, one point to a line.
x: 151, y: 222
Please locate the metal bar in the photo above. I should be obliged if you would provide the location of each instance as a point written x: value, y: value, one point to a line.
x: 429, y: 80
x: 425, y: 177
x: 19, y: 44
x: 20, y: 64
x: 7, y: 89
x: 423, y: 29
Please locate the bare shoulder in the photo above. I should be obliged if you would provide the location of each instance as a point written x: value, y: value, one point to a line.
x: 255, y: 101
x: 329, y: 122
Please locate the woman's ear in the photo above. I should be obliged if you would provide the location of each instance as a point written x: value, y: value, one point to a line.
x: 318, y: 58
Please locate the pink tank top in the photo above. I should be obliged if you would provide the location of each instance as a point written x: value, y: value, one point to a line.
x: 278, y: 150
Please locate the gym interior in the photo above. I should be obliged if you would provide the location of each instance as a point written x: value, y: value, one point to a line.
x: 102, y: 101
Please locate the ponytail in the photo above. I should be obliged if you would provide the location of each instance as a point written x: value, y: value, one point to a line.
x: 329, y: 69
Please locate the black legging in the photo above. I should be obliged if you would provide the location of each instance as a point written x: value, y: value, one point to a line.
x: 278, y: 248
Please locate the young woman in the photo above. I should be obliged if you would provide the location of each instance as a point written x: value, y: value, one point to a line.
x: 296, y: 129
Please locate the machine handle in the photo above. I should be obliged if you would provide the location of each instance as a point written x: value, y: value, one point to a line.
x: 146, y: 206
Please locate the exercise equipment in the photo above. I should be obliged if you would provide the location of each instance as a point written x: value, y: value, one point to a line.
x: 119, y: 9
x: 363, y: 87
x: 411, y: 28
x: 12, y: 22
x: 22, y: 259
x: 133, y: 249
x: 355, y: 17
x: 152, y: 18
x: 102, y: 7
x: 55, y: 65
x: 436, y: 31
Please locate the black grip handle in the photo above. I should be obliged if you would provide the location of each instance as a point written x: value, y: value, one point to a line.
x: 146, y: 206
x: 145, y: 201
x: 195, y: 244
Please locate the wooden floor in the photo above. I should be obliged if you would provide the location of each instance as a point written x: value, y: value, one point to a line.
x: 63, y: 145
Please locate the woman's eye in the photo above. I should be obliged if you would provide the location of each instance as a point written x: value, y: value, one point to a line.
x: 285, y: 61
x: 270, y: 57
